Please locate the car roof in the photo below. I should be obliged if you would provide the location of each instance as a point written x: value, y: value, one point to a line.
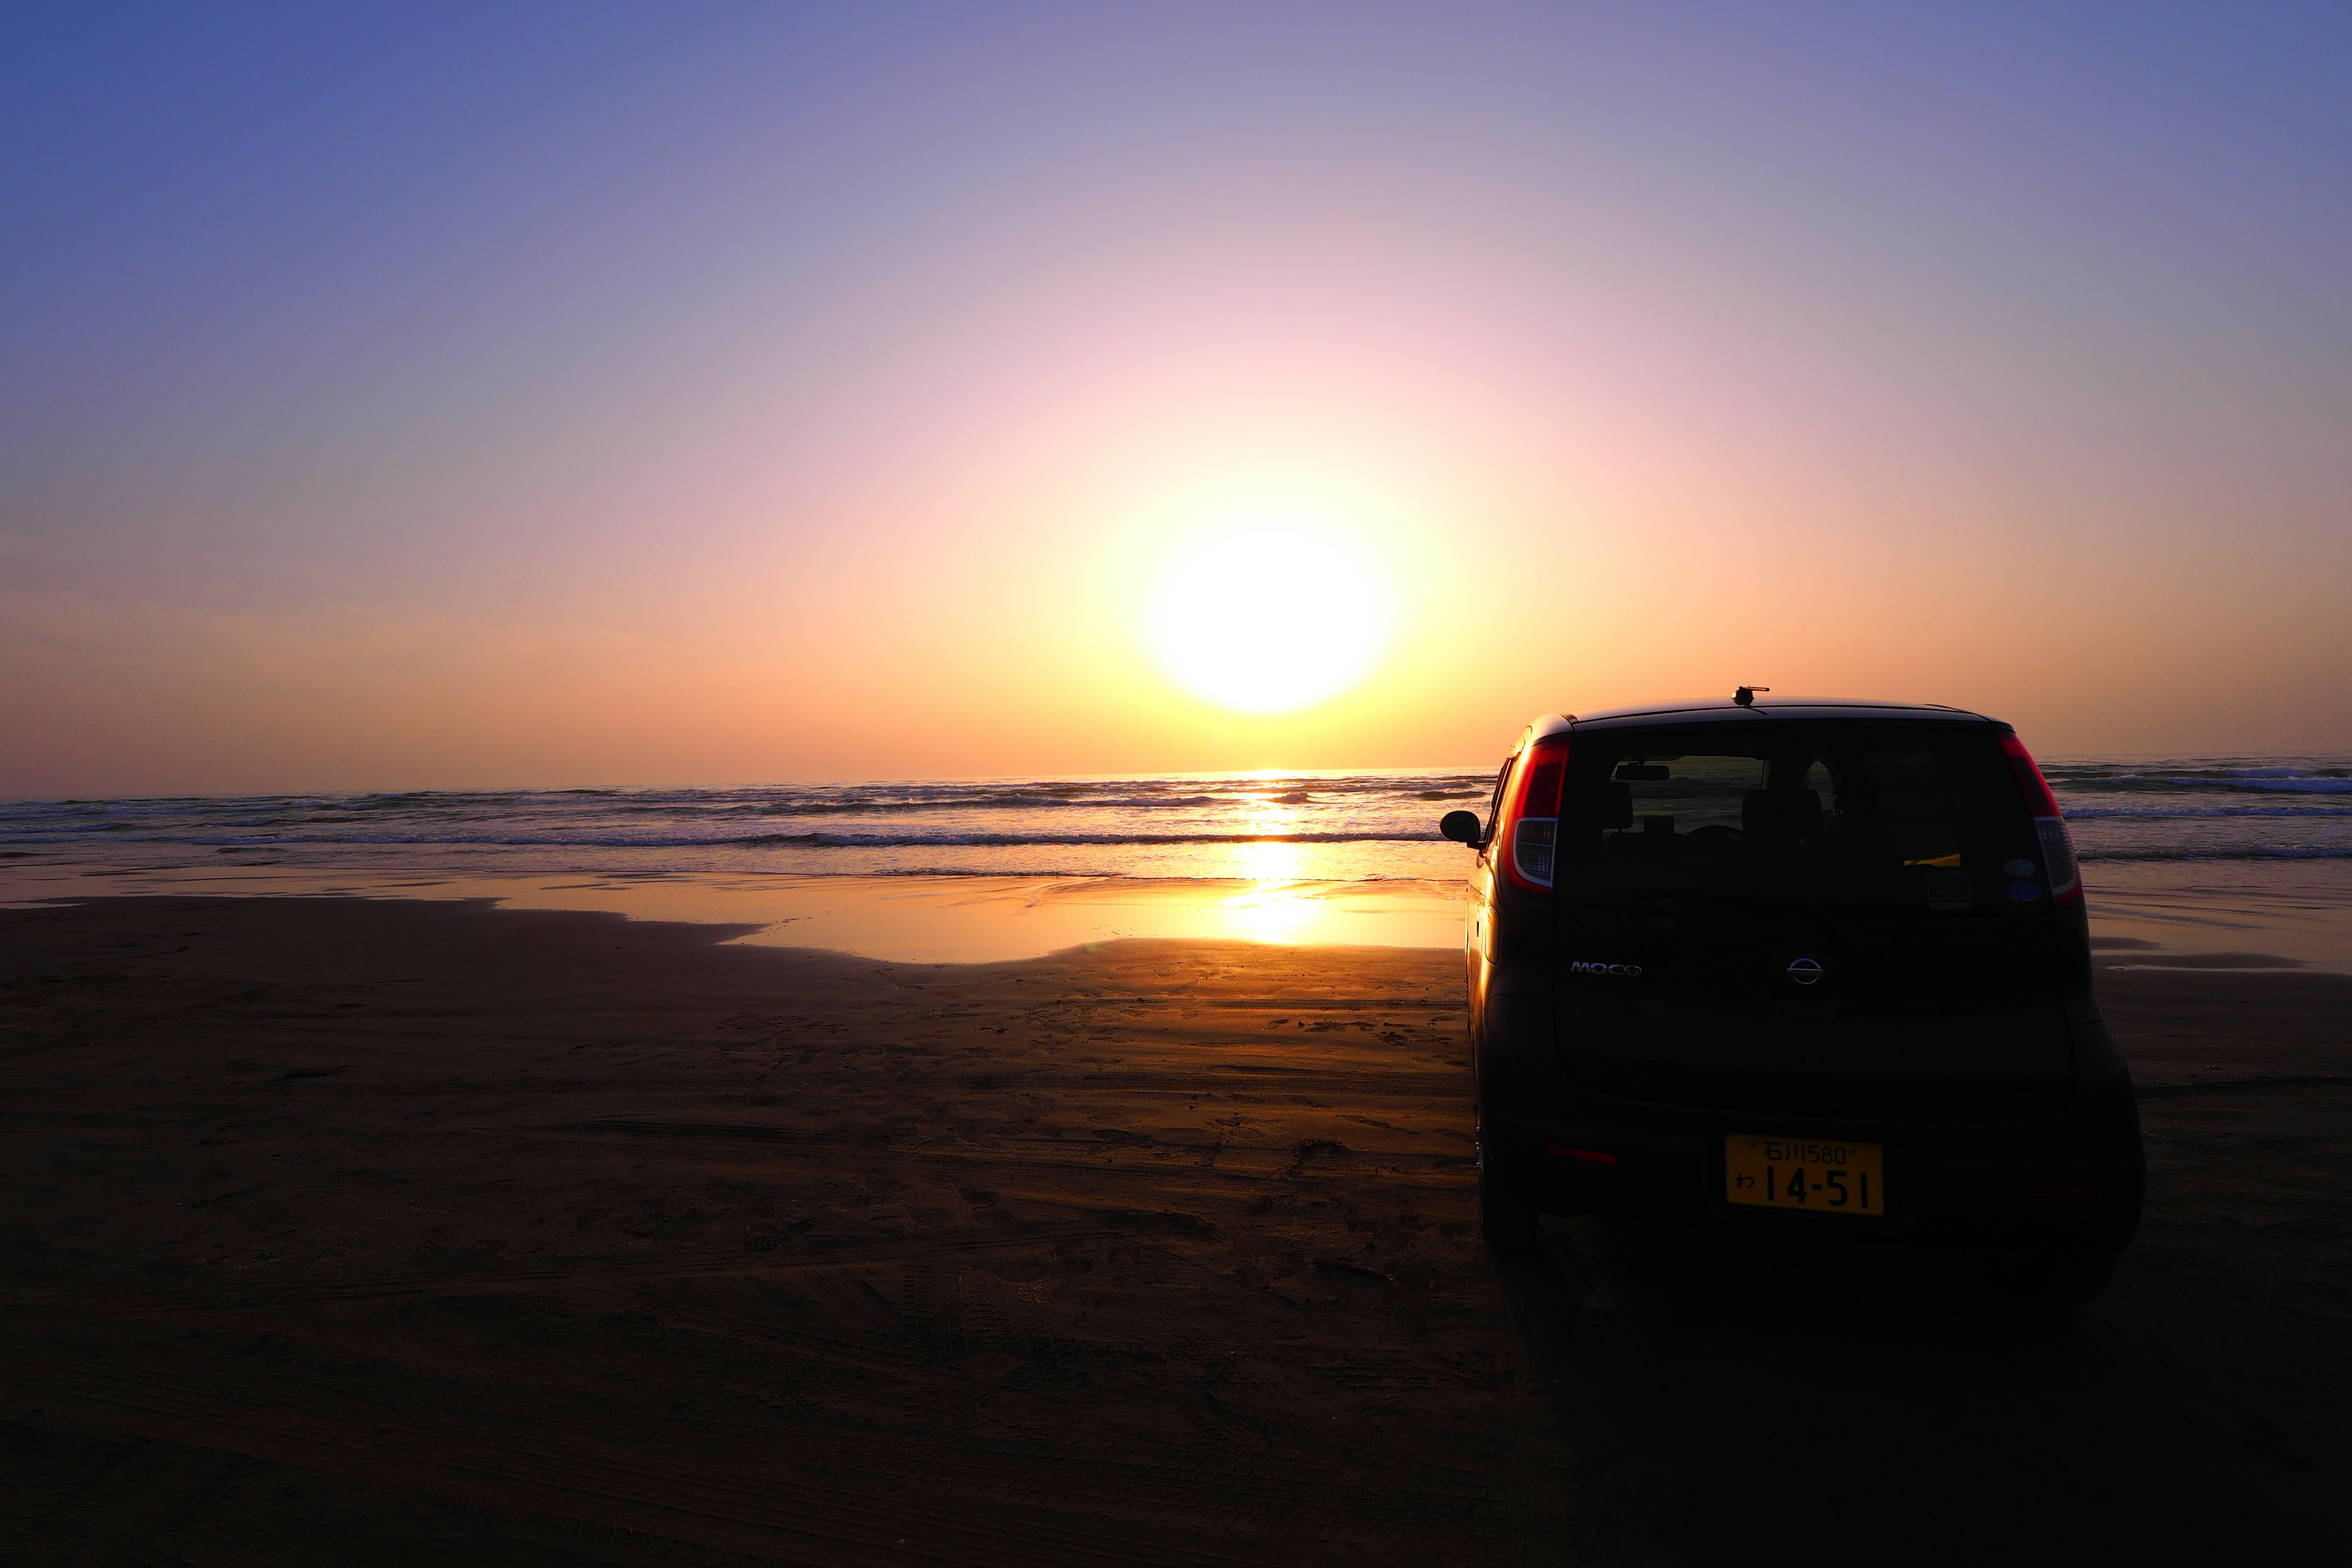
x: 1720, y: 709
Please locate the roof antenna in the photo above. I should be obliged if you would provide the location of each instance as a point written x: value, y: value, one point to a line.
x: 1746, y: 695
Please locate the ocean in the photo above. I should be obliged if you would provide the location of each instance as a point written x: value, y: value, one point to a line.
x: 1322, y: 826
x: 2259, y: 840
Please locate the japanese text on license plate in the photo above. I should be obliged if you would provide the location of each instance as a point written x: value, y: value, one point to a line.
x: 1806, y: 1175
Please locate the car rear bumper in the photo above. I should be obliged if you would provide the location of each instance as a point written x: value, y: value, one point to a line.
x: 2072, y: 1181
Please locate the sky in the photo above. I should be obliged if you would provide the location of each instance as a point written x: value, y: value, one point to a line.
x: 506, y: 395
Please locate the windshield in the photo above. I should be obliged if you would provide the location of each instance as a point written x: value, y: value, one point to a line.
x: 1921, y: 818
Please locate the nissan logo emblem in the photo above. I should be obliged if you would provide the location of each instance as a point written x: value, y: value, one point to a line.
x: 1804, y: 971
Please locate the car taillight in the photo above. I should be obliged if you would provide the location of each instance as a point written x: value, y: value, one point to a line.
x: 2057, y: 845
x: 1532, y: 816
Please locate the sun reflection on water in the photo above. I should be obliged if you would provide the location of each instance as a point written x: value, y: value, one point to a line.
x: 1278, y: 905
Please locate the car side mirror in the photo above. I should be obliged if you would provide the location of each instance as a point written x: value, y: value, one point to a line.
x: 1462, y: 826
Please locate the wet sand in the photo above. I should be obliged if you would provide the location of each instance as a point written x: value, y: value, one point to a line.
x: 903, y: 919
x: 357, y: 1231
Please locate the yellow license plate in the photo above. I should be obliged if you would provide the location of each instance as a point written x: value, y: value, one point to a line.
x: 1803, y: 1175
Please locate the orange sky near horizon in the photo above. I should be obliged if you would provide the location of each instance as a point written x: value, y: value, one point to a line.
x: 766, y: 465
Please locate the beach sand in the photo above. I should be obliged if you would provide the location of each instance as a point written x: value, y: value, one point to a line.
x: 357, y: 1230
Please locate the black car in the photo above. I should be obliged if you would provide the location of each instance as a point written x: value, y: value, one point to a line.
x: 1819, y: 964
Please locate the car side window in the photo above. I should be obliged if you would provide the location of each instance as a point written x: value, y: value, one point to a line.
x: 1494, y: 806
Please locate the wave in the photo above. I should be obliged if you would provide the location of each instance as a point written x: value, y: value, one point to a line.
x: 779, y: 804
x: 751, y: 841
x: 2268, y: 780
x: 2232, y: 852
x: 2203, y: 813
x: 1004, y: 841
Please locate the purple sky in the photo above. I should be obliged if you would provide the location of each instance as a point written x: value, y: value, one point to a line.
x: 505, y: 394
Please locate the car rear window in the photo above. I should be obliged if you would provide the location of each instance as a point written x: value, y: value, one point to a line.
x: 1919, y: 818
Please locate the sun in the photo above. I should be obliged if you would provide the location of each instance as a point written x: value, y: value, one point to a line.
x: 1268, y: 615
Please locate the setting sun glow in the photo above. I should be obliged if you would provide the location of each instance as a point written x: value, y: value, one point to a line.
x: 1269, y: 616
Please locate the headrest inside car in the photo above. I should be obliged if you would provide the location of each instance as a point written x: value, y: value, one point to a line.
x: 1605, y: 806
x: 1781, y: 813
